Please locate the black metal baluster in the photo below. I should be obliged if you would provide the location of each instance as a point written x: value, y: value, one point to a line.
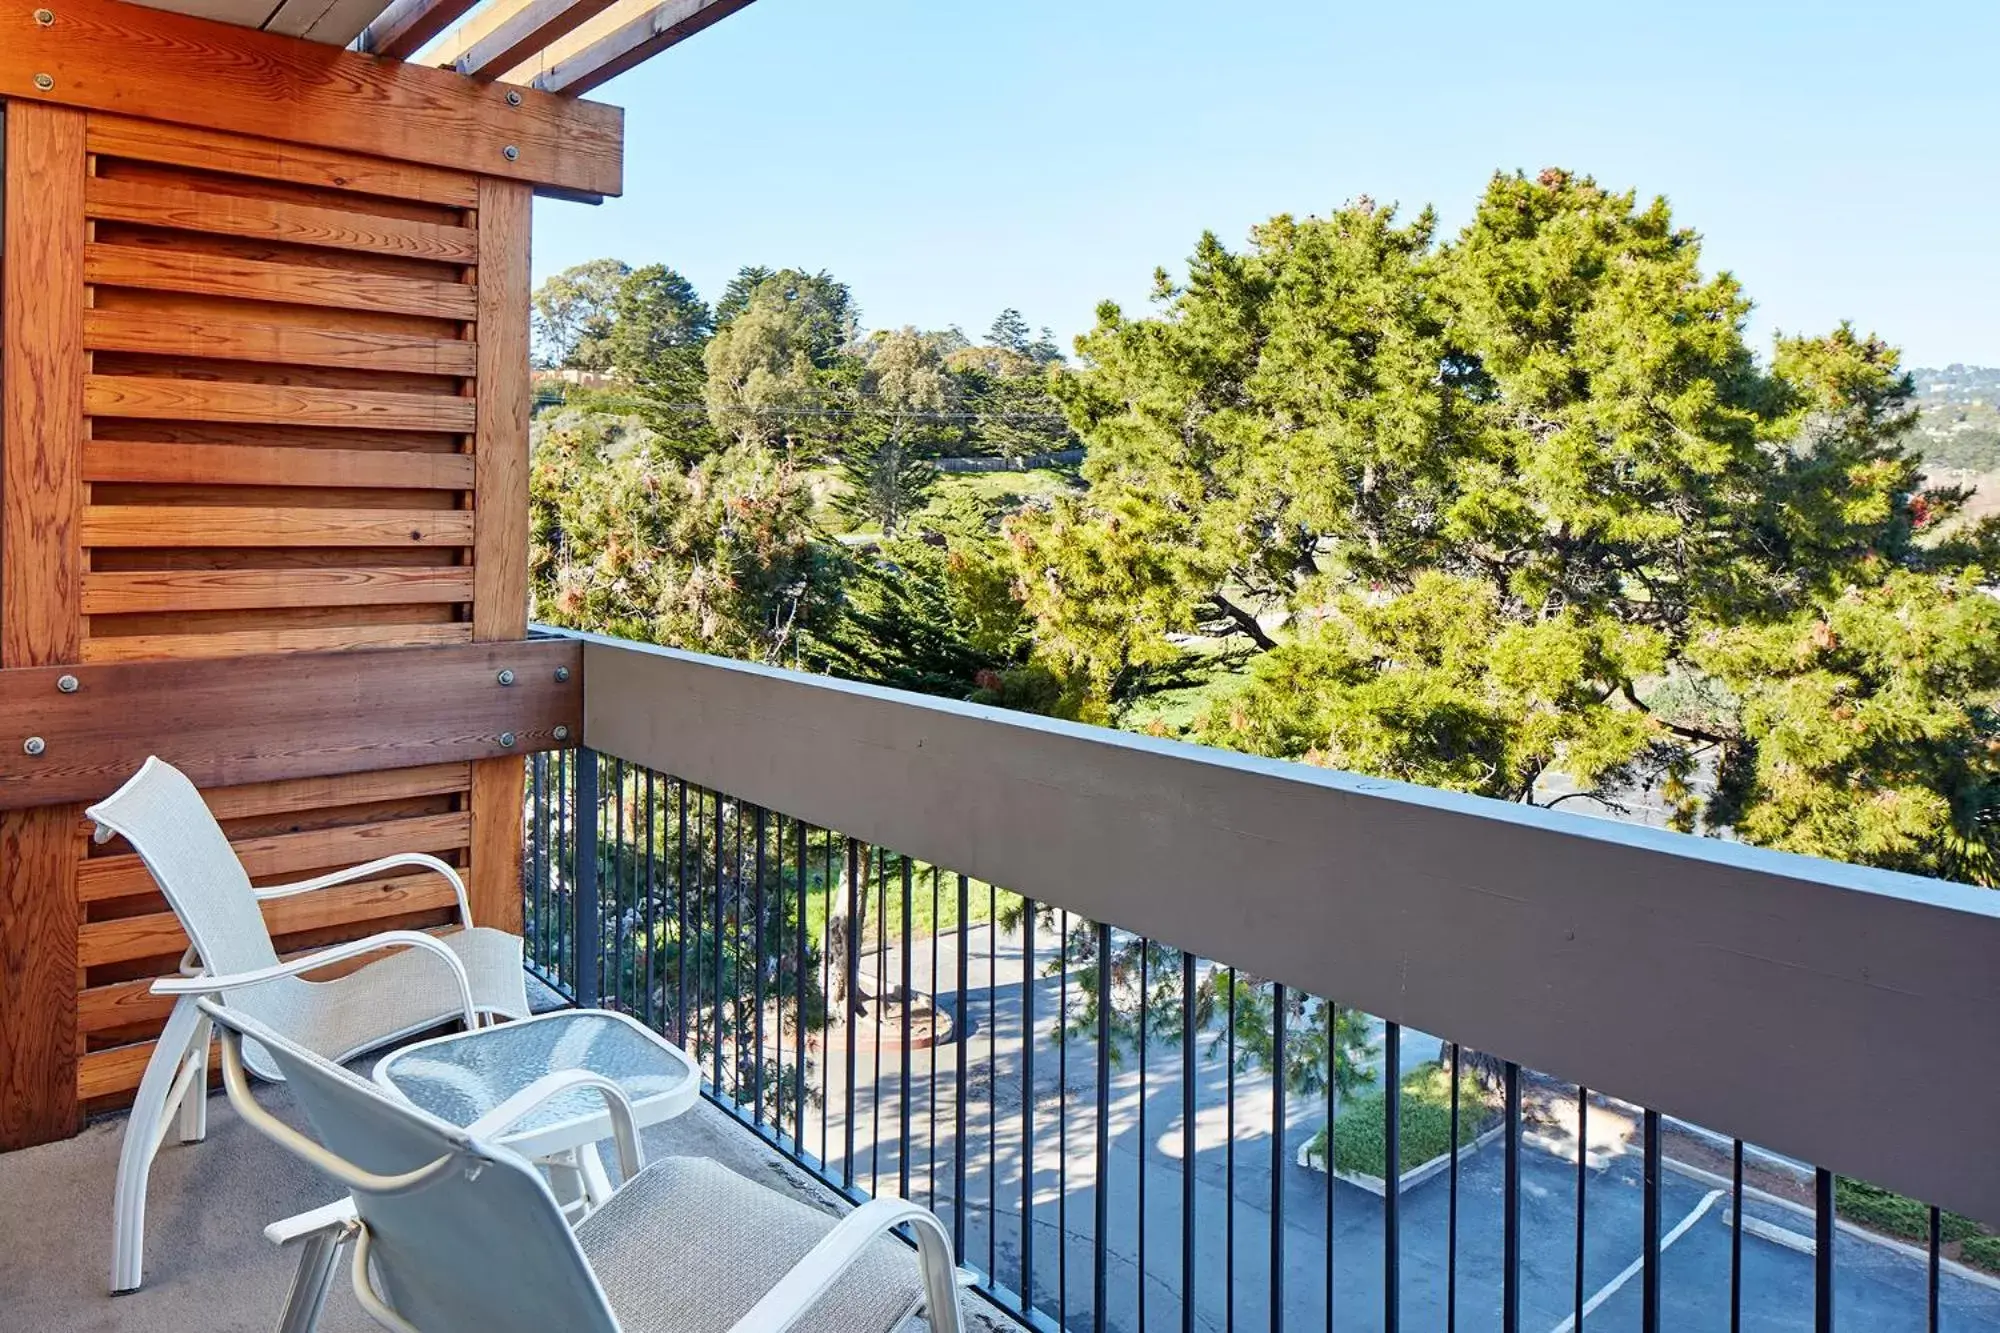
x: 1027, y: 1104
x: 1145, y: 1005
x: 1062, y: 1123
x: 1510, y: 1222
x: 799, y: 1070
x: 1823, y: 1233
x: 1187, y: 1142
x: 961, y: 1147
x: 1101, y: 1221
x: 716, y: 1004
x: 1736, y: 1237
x: 562, y: 876
x: 618, y: 932
x: 903, y: 1091
x: 1278, y: 1157
x: 652, y: 901
x: 826, y: 975
x: 681, y: 912
x: 757, y: 970
x: 1649, y: 1277
x: 853, y: 951
x: 1229, y: 1167
x: 875, y: 1002
x: 1451, y: 1208
x: 1931, y: 1272
x: 587, y: 956
x: 930, y: 1091
x: 992, y: 1082
x: 1582, y: 1172
x: 1392, y: 1176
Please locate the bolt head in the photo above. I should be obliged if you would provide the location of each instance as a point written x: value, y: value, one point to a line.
x: 562, y: 674
x: 562, y: 733
x: 67, y: 684
x: 34, y: 745
x: 506, y: 677
x: 45, y: 81
x: 513, y: 97
x: 510, y: 152
x: 46, y: 18
x: 506, y: 740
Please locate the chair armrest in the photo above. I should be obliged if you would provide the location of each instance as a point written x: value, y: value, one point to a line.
x: 624, y: 1124
x: 401, y: 860
x: 783, y: 1305
x: 335, y: 1216
x: 388, y: 939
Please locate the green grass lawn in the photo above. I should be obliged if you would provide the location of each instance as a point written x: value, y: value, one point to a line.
x: 1425, y: 1122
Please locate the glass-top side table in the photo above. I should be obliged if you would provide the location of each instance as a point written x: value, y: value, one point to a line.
x: 461, y: 1076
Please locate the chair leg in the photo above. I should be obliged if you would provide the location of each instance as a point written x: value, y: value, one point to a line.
x: 314, y: 1280
x: 194, y: 1101
x: 142, y: 1140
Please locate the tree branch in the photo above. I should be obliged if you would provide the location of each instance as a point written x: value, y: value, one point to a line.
x: 1685, y: 732
x: 1243, y: 621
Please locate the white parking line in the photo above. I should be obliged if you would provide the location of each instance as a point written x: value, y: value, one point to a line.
x: 1632, y: 1270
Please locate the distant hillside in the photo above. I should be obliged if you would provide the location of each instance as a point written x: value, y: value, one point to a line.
x: 1959, y: 430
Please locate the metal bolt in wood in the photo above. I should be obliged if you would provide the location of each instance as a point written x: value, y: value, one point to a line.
x: 45, y: 82
x: 562, y: 733
x: 506, y: 676
x: 45, y: 18
x: 34, y: 745
x: 510, y: 152
x: 67, y: 684
x: 506, y: 740
x: 562, y: 674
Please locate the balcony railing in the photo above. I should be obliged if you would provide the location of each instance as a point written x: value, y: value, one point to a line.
x: 889, y: 926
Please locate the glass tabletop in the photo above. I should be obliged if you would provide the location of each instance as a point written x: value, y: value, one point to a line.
x: 463, y: 1076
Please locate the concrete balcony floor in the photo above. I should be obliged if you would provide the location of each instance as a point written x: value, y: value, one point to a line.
x: 208, y: 1267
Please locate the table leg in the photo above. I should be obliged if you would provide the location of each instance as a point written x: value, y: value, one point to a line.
x: 596, y: 1181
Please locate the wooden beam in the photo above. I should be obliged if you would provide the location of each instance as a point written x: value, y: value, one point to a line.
x: 334, y: 22
x: 265, y: 718
x: 407, y: 26
x: 42, y: 365
x: 625, y: 34
x: 104, y: 55
x: 500, y: 532
x: 517, y: 30
x: 182, y: 332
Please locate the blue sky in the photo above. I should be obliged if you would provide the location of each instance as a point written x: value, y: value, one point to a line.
x: 949, y: 158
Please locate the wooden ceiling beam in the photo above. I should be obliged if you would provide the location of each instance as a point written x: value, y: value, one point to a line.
x: 526, y: 29
x: 407, y: 26
x: 625, y: 34
x: 104, y: 55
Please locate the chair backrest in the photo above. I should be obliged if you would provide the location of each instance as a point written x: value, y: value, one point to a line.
x: 482, y: 1248
x: 161, y: 814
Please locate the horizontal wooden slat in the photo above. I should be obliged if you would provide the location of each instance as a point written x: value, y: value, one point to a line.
x: 124, y: 1004
x: 292, y: 795
x: 276, y: 220
x: 276, y: 404
x: 268, y: 280
x: 136, y: 591
x: 251, y: 465
x: 265, y: 718
x: 293, y: 163
x: 237, y: 643
x: 192, y: 525
x: 111, y: 1072
x: 104, y: 877
x: 178, y: 333
x: 129, y: 937
x: 105, y: 56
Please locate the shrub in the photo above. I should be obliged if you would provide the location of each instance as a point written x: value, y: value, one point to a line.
x: 1425, y: 1122
x: 1981, y: 1252
x: 1896, y: 1214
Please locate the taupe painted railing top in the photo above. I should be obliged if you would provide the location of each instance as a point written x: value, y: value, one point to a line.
x: 1832, y: 1012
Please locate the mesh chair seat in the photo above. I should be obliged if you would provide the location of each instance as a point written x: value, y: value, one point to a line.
x: 395, y: 996
x: 750, y: 1238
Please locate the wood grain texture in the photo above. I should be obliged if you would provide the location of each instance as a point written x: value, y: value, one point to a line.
x: 105, y: 877
x: 276, y: 220
x: 238, y: 643
x: 125, y: 938
x: 121, y: 592
x: 181, y: 332
x: 102, y: 55
x: 269, y: 280
x: 500, y: 549
x: 270, y: 159
x: 41, y: 438
x: 246, y: 465
x: 267, y: 718
x: 294, y: 795
x: 163, y: 399
x: 190, y: 525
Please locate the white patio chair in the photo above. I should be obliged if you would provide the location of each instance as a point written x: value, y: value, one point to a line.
x: 429, y: 980
x: 455, y: 1234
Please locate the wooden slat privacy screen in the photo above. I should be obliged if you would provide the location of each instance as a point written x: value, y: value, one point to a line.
x: 258, y: 400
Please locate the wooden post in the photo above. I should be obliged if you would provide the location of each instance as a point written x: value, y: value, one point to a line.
x: 42, y: 365
x: 500, y: 527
